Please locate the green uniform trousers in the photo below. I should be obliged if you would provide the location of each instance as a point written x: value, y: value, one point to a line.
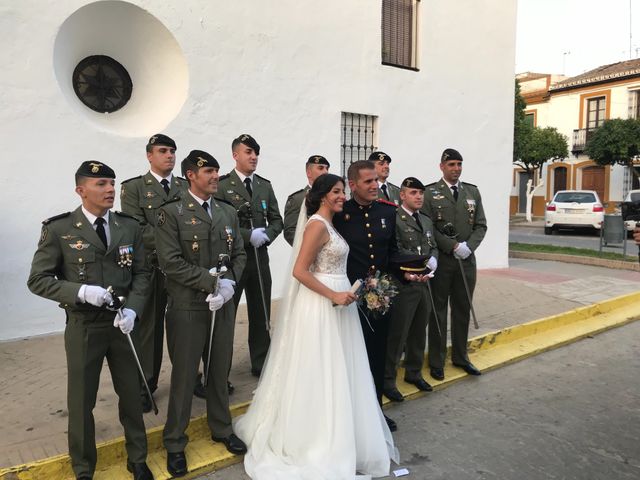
x: 89, y: 338
x: 187, y: 338
x: 448, y: 289
x: 407, y: 332
x: 259, y: 339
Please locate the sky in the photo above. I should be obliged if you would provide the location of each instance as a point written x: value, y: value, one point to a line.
x: 574, y: 36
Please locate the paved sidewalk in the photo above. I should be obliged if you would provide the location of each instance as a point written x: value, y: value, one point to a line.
x: 33, y: 416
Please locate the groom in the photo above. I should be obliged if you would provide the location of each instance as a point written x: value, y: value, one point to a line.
x: 369, y: 228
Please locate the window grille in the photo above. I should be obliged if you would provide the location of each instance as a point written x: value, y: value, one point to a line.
x: 102, y: 84
x: 358, y: 138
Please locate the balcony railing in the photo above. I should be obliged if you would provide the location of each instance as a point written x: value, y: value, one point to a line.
x: 580, y: 139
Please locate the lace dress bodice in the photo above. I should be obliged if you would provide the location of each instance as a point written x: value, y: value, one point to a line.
x: 332, y: 258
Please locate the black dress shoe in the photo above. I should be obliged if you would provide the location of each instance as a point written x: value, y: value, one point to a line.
x: 199, y: 390
x: 146, y: 403
x: 437, y: 373
x: 233, y: 443
x: 140, y: 471
x: 421, y: 383
x: 469, y: 368
x: 391, y: 424
x: 230, y: 387
x: 393, y: 394
x: 176, y: 464
x: 83, y: 477
x: 256, y: 372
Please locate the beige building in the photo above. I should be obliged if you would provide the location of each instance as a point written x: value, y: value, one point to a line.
x: 577, y: 106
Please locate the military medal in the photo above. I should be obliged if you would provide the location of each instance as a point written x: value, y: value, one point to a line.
x: 125, y: 256
x: 383, y: 222
x: 430, y: 239
x: 82, y: 271
x: 347, y: 217
x: 195, y: 247
x: 229, y: 232
x: 150, y: 195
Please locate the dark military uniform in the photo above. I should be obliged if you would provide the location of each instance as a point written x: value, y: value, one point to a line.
x: 393, y: 191
x: 370, y: 231
x: 412, y: 305
x: 467, y: 217
x: 189, y: 242
x: 264, y: 208
x: 141, y: 197
x: 292, y: 212
x: 71, y: 254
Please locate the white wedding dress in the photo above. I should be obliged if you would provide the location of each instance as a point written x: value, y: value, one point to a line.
x: 315, y: 415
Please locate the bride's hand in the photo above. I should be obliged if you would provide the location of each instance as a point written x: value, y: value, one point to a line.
x: 343, y: 298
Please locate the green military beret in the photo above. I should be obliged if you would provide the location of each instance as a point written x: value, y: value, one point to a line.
x: 412, y: 182
x: 94, y: 169
x: 317, y: 160
x: 160, y: 139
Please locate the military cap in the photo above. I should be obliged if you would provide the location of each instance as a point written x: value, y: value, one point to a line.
x: 94, y: 169
x: 410, y: 263
x: 160, y: 139
x: 412, y: 182
x: 247, y: 140
x: 200, y: 159
x: 450, y: 154
x: 318, y: 160
x: 379, y: 157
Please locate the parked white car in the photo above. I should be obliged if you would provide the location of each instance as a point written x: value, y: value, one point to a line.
x: 573, y: 209
x: 632, y: 196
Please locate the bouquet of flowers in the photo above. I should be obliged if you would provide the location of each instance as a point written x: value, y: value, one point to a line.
x: 376, y: 292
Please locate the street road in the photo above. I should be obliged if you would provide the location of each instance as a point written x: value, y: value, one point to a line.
x: 571, y: 413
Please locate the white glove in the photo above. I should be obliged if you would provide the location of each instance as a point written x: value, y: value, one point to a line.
x: 95, y: 295
x: 125, y: 319
x: 226, y: 288
x: 462, y: 251
x: 258, y: 237
x: 215, y: 301
x: 432, y: 264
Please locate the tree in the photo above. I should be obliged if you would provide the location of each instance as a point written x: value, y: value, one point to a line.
x: 617, y: 141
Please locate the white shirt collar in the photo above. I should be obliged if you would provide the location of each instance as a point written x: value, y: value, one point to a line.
x: 457, y: 184
x: 382, y: 183
x: 159, y: 178
x: 199, y: 200
x: 407, y: 210
x: 243, y: 176
x: 92, y: 218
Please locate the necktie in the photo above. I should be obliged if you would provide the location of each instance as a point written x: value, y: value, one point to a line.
x: 417, y: 217
x: 383, y: 187
x: 102, y: 235
x: 205, y: 205
x: 247, y: 184
x: 455, y: 192
x: 165, y: 185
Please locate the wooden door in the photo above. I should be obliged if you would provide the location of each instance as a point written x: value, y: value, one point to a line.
x: 593, y: 179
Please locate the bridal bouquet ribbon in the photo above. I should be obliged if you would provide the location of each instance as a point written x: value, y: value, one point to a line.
x: 376, y: 293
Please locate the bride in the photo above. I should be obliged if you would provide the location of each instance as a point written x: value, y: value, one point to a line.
x: 315, y: 415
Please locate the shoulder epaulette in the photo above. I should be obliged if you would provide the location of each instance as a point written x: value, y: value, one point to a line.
x: 222, y: 200
x: 224, y: 177
x: 175, y: 198
x: 57, y: 217
x: 126, y: 215
x: 129, y: 179
x: 392, y: 185
x: 181, y: 178
x: 470, y: 184
x: 296, y: 192
x: 431, y: 184
x: 387, y: 202
x: 262, y: 178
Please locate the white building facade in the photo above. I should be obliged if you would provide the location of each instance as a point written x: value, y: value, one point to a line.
x: 300, y: 76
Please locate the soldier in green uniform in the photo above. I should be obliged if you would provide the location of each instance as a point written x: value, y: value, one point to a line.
x: 412, y: 306
x: 316, y: 165
x: 252, y: 195
x: 453, y: 206
x: 80, y: 254
x: 386, y: 190
x: 141, y: 197
x: 191, y: 234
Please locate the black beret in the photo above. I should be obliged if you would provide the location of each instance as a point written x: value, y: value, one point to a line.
x: 379, y: 157
x: 318, y: 160
x: 412, y: 182
x: 247, y: 140
x: 160, y: 139
x: 94, y: 169
x: 201, y: 159
x: 450, y: 154
x: 411, y: 263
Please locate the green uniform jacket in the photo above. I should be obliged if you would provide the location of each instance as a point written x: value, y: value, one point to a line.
x: 466, y: 215
x: 189, y: 242
x: 142, y: 196
x: 264, y: 206
x: 292, y: 212
x: 413, y: 239
x: 70, y: 254
x: 393, y: 191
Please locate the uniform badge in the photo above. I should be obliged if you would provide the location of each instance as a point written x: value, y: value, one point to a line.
x: 190, y: 205
x: 68, y: 237
x: 193, y: 221
x: 79, y: 245
x: 179, y: 208
x: 78, y: 224
x: 195, y: 247
x: 125, y: 256
x: 430, y: 240
x: 233, y: 182
x: 347, y: 217
x: 95, y: 167
x: 229, y: 231
x: 229, y: 191
x: 161, y: 218
x: 43, y: 235
x: 383, y: 222
x: 149, y: 194
x: 264, y: 205
x: 237, y: 198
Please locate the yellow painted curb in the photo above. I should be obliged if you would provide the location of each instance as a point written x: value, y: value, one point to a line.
x: 487, y: 352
